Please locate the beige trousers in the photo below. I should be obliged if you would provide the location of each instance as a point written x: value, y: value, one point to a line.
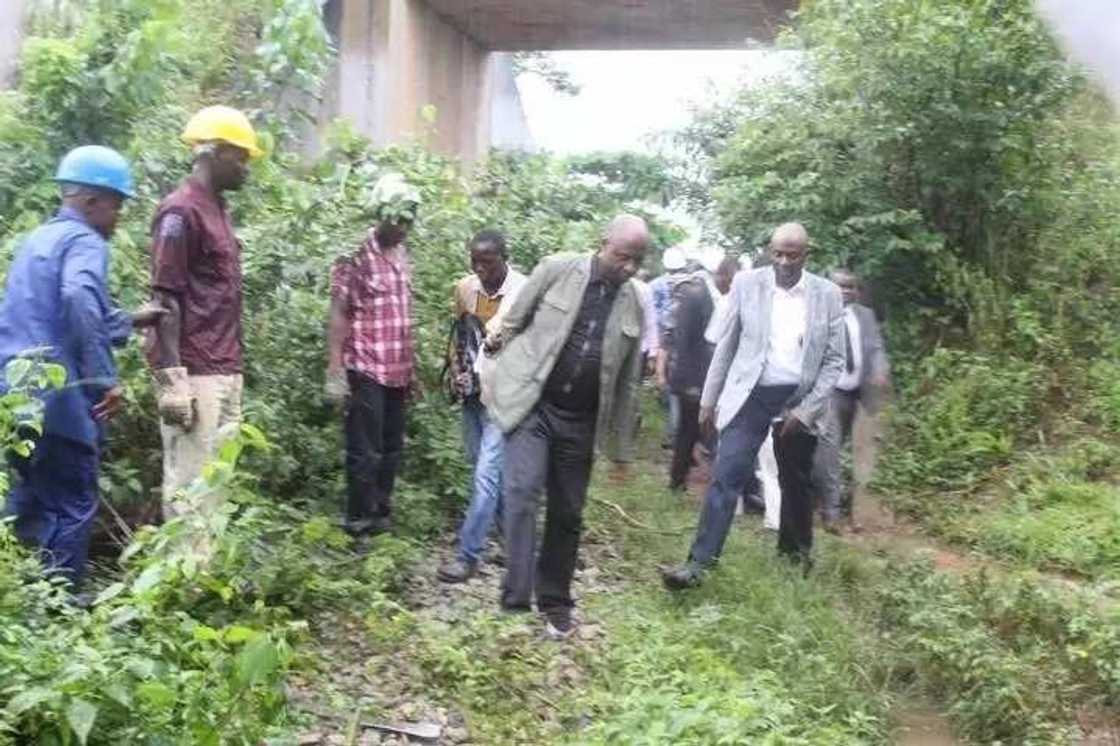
x: 217, y: 401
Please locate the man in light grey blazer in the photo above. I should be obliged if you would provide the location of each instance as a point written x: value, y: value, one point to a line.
x: 776, y: 364
x: 861, y: 386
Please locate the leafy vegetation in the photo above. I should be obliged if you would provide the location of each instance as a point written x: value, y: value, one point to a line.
x: 179, y: 649
x: 1017, y: 661
x: 944, y: 150
x: 948, y: 153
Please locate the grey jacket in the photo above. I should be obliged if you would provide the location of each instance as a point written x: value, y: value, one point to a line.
x: 741, y: 352
x: 533, y: 334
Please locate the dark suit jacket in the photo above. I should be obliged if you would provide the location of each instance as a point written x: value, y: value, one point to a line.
x: 689, y: 353
x: 874, y: 355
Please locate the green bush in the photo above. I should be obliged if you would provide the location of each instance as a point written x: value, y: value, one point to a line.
x: 961, y: 415
x: 1016, y: 661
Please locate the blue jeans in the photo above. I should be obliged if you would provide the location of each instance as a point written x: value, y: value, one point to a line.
x: 474, y: 418
x: 55, y: 501
x: 735, y: 462
x: 486, y: 496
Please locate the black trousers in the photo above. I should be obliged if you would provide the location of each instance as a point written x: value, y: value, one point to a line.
x: 794, y: 454
x: 374, y: 440
x: 551, y: 450
x: 687, y: 436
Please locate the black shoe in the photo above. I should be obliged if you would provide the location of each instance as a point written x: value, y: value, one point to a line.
x: 798, y: 558
x: 753, y: 504
x: 457, y: 571
x: 680, y: 578
x: 358, y: 527
x: 558, y: 623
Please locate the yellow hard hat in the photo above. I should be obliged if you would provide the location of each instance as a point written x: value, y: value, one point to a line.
x: 222, y: 124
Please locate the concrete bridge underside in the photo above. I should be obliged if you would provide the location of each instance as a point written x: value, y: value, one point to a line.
x: 618, y: 24
x: 397, y: 57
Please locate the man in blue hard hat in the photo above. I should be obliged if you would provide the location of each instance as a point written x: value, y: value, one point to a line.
x: 57, y: 305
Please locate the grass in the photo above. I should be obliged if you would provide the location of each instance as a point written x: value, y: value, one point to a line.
x: 756, y: 655
x: 760, y: 655
x: 1053, y: 509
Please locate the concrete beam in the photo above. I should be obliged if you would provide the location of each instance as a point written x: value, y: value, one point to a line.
x: 513, y: 25
x: 11, y: 33
x: 397, y: 58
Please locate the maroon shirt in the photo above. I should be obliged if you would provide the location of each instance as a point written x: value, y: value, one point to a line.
x: 196, y: 256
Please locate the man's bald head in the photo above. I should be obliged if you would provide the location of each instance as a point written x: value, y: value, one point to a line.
x: 626, y: 228
x: 625, y: 242
x: 789, y: 246
x: 790, y: 233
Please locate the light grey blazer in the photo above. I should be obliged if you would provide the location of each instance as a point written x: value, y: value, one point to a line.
x: 741, y: 352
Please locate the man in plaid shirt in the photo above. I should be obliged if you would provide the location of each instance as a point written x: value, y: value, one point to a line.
x: 370, y: 368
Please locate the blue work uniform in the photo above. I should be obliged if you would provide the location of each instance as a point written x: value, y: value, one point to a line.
x: 57, y: 302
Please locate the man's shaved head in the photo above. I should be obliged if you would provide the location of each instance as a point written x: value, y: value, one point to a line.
x: 789, y: 245
x: 625, y: 242
x: 790, y: 233
x: 626, y: 228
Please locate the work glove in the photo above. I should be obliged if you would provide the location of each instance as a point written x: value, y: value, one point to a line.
x: 176, y: 405
x: 337, y: 389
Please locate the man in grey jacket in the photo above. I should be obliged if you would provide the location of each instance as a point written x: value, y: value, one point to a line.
x: 864, y: 380
x: 565, y: 379
x: 776, y: 364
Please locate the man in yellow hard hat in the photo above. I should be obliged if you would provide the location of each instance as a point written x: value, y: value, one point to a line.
x: 196, y: 276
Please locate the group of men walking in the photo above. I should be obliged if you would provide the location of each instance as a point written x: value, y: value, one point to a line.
x: 547, y: 368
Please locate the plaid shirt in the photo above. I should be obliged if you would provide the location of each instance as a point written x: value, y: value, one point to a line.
x: 374, y: 287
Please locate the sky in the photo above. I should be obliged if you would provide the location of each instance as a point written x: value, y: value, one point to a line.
x: 627, y: 96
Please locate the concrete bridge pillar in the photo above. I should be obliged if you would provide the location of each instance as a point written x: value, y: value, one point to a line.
x: 398, y: 59
x: 11, y: 31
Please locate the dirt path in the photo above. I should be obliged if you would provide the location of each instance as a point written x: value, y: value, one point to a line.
x: 356, y: 680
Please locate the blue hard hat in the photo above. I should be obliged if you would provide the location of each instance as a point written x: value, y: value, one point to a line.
x: 96, y: 166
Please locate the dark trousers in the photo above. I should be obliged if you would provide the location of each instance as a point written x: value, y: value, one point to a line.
x: 735, y: 461
x: 687, y: 436
x: 374, y: 439
x: 551, y: 450
x: 55, y: 501
x: 828, y: 470
x: 794, y: 454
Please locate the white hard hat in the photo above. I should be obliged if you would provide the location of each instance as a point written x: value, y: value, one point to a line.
x: 711, y: 258
x: 673, y: 259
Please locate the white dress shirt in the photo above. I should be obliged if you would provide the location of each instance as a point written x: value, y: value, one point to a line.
x: 650, y: 341
x: 721, y: 317
x: 789, y: 313
x: 850, y: 381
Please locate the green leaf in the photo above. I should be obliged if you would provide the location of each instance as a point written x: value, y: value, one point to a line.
x: 81, y: 715
x: 16, y: 372
x: 148, y: 579
x: 109, y: 593
x: 156, y: 694
x: 28, y: 699
x: 202, y: 633
x: 56, y: 375
x: 119, y: 694
x: 257, y: 661
x: 238, y: 634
